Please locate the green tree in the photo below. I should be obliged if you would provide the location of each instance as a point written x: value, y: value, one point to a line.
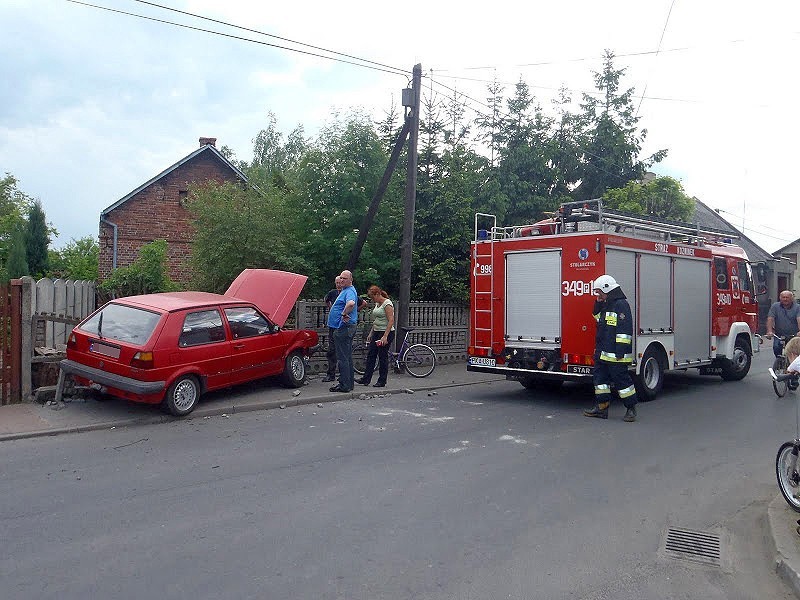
x: 526, y: 175
x: 17, y: 262
x: 37, y: 240
x: 449, y: 176
x: 14, y: 206
x: 332, y: 187
x: 146, y: 275
x: 611, y: 141
x: 77, y: 260
x: 661, y: 197
x: 237, y: 228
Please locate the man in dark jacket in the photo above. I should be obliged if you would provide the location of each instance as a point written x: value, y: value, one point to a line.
x: 613, y: 353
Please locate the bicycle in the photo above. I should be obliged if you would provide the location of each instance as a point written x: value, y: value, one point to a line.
x: 418, y: 360
x: 786, y: 468
x: 779, y: 367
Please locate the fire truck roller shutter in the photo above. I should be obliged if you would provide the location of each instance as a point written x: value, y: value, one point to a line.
x: 533, y: 295
x: 655, y: 296
x: 692, y: 296
x: 621, y: 265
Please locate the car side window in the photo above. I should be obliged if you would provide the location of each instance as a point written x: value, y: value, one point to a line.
x: 246, y: 321
x: 721, y: 273
x: 202, y: 327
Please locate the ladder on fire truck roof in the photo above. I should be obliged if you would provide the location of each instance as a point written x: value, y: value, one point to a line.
x: 576, y: 217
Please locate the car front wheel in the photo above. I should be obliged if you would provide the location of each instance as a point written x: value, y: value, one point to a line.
x: 182, y: 396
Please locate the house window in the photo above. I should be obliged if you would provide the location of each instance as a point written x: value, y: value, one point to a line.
x: 183, y: 196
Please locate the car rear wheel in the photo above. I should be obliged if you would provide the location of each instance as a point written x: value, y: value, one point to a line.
x: 182, y: 396
x: 294, y: 371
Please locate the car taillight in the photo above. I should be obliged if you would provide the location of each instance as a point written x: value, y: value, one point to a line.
x: 72, y: 341
x: 142, y: 360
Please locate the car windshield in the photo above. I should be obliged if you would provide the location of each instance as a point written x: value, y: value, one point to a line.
x: 122, y: 323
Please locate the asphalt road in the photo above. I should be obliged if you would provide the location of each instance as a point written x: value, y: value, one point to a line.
x: 485, y: 491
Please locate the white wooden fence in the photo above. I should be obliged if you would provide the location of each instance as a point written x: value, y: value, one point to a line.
x: 50, y: 308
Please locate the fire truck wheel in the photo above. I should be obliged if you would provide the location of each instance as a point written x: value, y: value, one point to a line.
x: 734, y: 369
x: 650, y: 379
x: 543, y: 385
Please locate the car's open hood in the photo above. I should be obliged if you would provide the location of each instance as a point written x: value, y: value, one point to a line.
x: 274, y: 292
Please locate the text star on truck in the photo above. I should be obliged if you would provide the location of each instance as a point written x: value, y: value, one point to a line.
x: 531, y: 294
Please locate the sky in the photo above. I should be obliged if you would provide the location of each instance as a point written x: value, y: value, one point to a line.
x: 94, y: 103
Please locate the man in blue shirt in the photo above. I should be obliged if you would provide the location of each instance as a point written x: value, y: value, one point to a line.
x: 342, y: 319
x: 783, y: 320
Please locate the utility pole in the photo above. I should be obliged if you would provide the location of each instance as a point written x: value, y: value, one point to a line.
x: 407, y: 243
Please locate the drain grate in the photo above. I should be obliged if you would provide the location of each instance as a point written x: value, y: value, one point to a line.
x: 695, y: 546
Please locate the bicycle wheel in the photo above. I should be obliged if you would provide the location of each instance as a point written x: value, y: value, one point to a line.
x: 359, y: 352
x: 419, y: 360
x: 779, y: 366
x: 788, y: 477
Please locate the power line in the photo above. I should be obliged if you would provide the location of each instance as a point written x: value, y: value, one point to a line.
x: 661, y: 39
x: 547, y: 63
x: 277, y: 37
x: 236, y: 37
x: 750, y: 229
x: 550, y: 88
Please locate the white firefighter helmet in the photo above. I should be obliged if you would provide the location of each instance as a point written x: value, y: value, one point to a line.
x: 605, y: 283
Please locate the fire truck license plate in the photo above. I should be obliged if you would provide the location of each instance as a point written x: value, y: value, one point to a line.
x: 481, y: 361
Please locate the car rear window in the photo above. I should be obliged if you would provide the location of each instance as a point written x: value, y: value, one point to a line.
x: 122, y: 323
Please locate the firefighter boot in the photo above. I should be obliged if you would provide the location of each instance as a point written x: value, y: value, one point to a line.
x: 600, y: 410
x: 630, y: 415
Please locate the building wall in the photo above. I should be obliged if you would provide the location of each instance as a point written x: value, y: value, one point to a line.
x: 792, y: 251
x: 157, y: 212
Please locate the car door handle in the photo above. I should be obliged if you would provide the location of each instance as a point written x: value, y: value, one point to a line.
x: 238, y: 346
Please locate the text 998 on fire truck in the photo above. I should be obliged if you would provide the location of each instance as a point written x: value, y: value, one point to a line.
x: 531, y: 296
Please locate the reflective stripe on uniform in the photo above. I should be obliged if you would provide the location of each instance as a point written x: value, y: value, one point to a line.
x: 609, y: 357
x: 596, y: 317
x: 624, y: 338
x: 627, y: 392
x: 602, y: 388
x: 611, y: 319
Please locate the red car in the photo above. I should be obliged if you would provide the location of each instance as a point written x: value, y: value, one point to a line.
x: 170, y: 348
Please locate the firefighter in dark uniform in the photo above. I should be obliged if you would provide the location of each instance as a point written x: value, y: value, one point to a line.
x: 613, y: 353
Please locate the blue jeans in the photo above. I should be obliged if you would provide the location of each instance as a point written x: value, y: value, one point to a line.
x: 777, y: 345
x: 343, y: 340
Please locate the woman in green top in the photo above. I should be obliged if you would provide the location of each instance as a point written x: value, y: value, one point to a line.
x: 381, y: 337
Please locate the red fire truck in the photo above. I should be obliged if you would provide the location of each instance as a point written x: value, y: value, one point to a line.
x: 531, y: 317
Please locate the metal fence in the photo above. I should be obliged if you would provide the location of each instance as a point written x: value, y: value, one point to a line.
x: 441, y: 325
x: 10, y: 372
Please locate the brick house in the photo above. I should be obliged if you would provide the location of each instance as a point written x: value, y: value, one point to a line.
x: 156, y: 210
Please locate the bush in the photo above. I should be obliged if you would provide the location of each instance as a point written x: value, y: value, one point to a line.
x: 146, y: 275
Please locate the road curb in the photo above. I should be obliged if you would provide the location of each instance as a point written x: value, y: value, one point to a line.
x: 229, y: 409
x: 782, y: 523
